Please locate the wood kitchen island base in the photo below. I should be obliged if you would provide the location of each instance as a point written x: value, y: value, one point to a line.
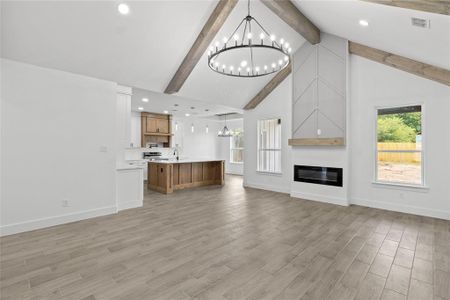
x: 167, y: 176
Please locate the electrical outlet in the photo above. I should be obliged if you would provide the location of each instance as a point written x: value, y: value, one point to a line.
x: 103, y: 149
x: 65, y: 203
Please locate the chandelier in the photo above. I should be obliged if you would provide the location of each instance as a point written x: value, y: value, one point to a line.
x: 244, y: 54
x: 225, y: 132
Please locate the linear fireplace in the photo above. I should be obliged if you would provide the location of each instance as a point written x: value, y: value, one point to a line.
x: 318, y: 175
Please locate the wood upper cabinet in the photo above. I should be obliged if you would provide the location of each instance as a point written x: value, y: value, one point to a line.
x: 157, y: 123
x: 151, y: 125
x: 156, y: 128
x: 162, y: 125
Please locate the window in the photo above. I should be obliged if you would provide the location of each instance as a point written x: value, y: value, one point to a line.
x: 237, y: 146
x: 399, y: 156
x: 269, y: 146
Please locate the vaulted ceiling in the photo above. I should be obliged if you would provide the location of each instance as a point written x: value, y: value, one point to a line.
x: 145, y: 48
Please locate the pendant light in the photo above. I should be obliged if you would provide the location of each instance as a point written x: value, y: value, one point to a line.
x: 225, y: 132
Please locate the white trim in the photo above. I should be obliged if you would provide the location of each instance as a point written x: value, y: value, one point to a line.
x: 57, y: 220
x: 320, y: 198
x: 422, y: 150
x: 278, y: 174
x: 272, y: 188
x: 129, y: 204
x: 399, y: 185
x: 409, y: 209
x: 234, y: 173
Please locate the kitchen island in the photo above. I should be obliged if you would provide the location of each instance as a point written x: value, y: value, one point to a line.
x: 165, y: 176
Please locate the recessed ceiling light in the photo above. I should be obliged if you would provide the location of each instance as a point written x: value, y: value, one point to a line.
x: 123, y: 8
x: 144, y: 99
x: 140, y: 108
x: 192, y: 107
x: 175, y: 105
x: 166, y: 111
x: 364, y: 23
x: 187, y: 115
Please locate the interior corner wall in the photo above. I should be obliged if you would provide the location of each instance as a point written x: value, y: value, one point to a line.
x: 58, y: 146
x: 373, y: 84
x: 276, y: 105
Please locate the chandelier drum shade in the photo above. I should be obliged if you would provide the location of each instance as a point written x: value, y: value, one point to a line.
x: 250, y: 51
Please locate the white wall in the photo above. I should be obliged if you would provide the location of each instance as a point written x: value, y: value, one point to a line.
x: 374, y: 84
x: 276, y: 105
x: 371, y: 84
x: 56, y: 126
x: 197, y: 144
x: 224, y: 147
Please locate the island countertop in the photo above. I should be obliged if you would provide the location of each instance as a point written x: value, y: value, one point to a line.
x: 183, y: 160
x: 165, y: 176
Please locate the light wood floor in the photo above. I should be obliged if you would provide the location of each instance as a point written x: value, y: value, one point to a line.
x: 232, y: 243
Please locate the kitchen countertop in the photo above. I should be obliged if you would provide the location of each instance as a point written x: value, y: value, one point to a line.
x: 184, y: 160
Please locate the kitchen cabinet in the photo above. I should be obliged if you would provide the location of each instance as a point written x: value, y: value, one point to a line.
x: 165, y: 177
x: 157, y: 124
x: 162, y: 126
x: 156, y: 128
x: 151, y: 125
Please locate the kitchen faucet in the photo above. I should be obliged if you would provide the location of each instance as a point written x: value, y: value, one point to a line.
x: 175, y: 152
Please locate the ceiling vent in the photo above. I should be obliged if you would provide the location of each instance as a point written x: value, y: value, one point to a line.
x: 420, y: 22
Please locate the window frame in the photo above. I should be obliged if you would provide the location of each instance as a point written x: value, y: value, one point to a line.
x: 376, y: 181
x: 258, y: 150
x: 239, y: 148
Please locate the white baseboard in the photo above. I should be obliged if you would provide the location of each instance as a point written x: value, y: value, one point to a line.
x: 272, y: 188
x: 435, y: 213
x: 234, y: 173
x: 129, y: 204
x: 320, y: 198
x: 58, y: 220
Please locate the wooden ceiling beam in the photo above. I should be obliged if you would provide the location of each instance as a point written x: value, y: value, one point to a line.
x: 269, y: 87
x: 427, y: 71
x: 289, y: 13
x: 433, y: 6
x: 201, y: 44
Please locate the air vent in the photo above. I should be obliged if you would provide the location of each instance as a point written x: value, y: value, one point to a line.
x: 420, y: 22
